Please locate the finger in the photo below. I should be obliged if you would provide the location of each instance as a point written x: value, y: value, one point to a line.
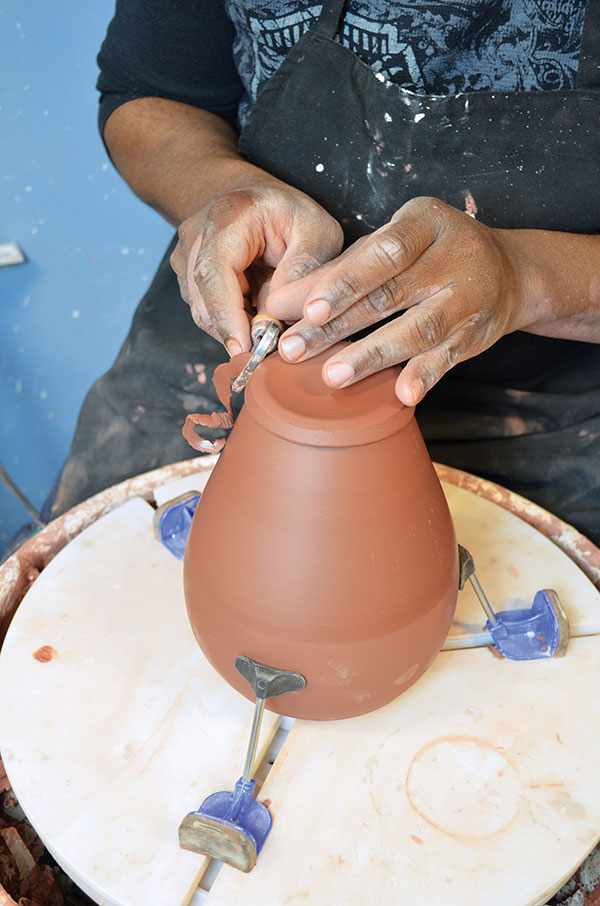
x: 287, y: 301
x: 262, y: 295
x: 309, y: 247
x: 214, y: 273
x: 259, y: 281
x: 178, y: 262
x: 423, y: 371
x: 420, y: 329
x: 376, y: 262
x: 414, y: 287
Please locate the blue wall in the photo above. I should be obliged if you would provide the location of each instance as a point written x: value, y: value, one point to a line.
x: 91, y: 245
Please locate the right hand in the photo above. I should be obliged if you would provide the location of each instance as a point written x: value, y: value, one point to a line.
x: 242, y: 246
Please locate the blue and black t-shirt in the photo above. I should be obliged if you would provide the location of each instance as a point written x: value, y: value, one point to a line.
x: 217, y: 55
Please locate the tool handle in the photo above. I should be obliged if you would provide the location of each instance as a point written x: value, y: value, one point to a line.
x: 260, y: 322
x: 267, y: 682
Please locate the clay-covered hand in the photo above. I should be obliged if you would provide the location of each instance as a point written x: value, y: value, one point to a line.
x: 241, y: 244
x: 456, y: 285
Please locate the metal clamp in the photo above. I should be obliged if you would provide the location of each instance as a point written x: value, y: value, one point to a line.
x: 539, y: 631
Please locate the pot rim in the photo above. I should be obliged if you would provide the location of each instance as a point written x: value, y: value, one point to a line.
x: 294, y: 403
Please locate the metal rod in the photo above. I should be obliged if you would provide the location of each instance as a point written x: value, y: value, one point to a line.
x: 482, y: 599
x: 258, y: 713
x: 21, y: 496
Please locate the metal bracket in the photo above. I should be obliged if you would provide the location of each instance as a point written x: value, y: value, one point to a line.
x: 539, y: 631
x: 267, y: 682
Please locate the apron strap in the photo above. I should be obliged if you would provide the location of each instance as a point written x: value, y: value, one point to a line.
x: 588, y: 75
x: 331, y: 17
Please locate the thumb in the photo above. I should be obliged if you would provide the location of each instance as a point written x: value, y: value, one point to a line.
x: 298, y: 271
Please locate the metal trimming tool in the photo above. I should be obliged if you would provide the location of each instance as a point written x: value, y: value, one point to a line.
x: 265, y: 333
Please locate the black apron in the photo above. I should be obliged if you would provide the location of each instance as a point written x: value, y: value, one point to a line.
x: 525, y: 413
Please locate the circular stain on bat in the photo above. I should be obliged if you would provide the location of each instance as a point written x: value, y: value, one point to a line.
x: 45, y: 653
x: 464, y: 786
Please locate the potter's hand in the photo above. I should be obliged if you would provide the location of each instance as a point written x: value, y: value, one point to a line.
x: 457, y: 282
x: 226, y: 254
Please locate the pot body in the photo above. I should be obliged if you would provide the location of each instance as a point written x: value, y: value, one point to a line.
x: 339, y: 562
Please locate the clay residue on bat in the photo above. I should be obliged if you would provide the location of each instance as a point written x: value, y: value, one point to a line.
x: 223, y: 376
x: 21, y: 569
x: 45, y: 654
x: 579, y: 548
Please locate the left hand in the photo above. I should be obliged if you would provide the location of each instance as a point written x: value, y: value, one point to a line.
x: 459, y: 283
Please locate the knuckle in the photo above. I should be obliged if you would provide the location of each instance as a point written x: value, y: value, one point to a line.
x: 419, y: 204
x: 450, y: 354
x: 325, y: 335
x: 431, y: 369
x: 374, y: 356
x: 302, y: 264
x: 391, y: 248
x: 430, y: 328
x: 425, y: 375
x: 326, y: 233
x: 426, y: 208
x: 382, y: 300
x: 346, y: 284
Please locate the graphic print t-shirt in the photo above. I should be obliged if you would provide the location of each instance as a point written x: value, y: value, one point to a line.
x: 443, y: 48
x: 218, y: 54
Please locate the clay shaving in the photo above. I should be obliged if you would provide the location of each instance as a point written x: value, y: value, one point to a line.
x: 223, y: 376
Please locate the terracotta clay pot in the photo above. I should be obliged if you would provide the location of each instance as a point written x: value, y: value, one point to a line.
x: 323, y: 543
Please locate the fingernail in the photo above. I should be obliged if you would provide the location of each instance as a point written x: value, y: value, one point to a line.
x: 233, y: 348
x: 317, y: 312
x: 293, y: 347
x: 339, y: 373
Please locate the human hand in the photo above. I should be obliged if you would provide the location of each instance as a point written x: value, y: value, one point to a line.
x: 459, y: 284
x: 241, y: 245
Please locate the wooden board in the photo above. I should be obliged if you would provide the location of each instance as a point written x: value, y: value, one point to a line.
x: 111, y: 742
x: 513, y: 561
x: 478, y: 785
